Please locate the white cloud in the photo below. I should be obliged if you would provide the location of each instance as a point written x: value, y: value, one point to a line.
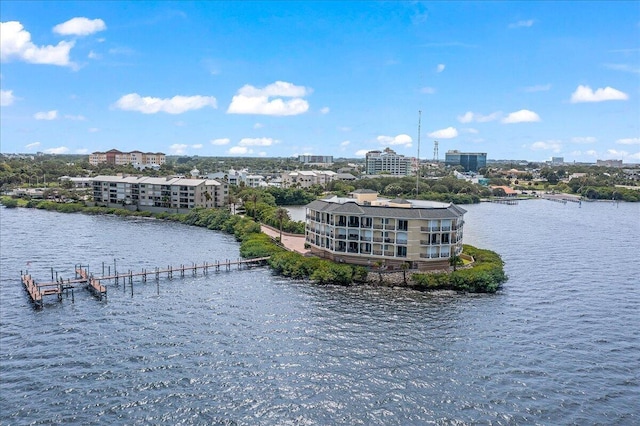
x: 521, y: 24
x: 178, y: 148
x: 93, y: 130
x: 94, y: 55
x: 325, y: 110
x: 6, y: 97
x: 469, y: 117
x: 257, y: 142
x: 80, y: 27
x: 448, y: 133
x: 252, y: 100
x: 15, y: 43
x: 401, y: 139
x: 221, y: 141
x: 362, y: 152
x: 538, y: 88
x: 58, y: 150
x: 592, y: 153
x: 522, y: 116
x: 75, y: 117
x: 262, y: 154
x: 344, y: 129
x: 550, y: 145
x: 197, y: 146
x: 48, y: 115
x: 258, y: 126
x: 175, y: 105
x: 471, y: 130
x: 629, y: 141
x: 32, y: 145
x: 240, y: 150
x: 623, y: 67
x: 344, y: 144
x: 584, y: 139
x: 82, y: 151
x: 428, y: 90
x: 440, y: 67
x: 586, y: 94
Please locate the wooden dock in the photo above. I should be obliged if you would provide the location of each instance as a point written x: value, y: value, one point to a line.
x: 95, y: 284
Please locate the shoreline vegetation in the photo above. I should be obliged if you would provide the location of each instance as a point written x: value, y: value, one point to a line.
x: 486, y: 275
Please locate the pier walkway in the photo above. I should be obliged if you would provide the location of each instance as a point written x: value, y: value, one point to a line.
x: 83, y: 277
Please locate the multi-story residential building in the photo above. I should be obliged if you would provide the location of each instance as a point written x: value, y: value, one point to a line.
x: 609, y: 163
x: 316, y: 160
x: 388, y: 162
x: 470, y: 161
x: 307, y: 178
x: 365, y: 230
x: 157, y: 194
x: 239, y: 177
x: 119, y: 158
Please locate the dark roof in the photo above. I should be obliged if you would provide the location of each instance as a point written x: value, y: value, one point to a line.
x: 364, y: 191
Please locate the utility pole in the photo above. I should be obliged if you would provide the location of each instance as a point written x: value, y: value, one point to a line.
x: 418, y: 168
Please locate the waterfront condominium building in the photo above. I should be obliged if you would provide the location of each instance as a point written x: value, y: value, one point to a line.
x: 159, y: 194
x: 119, y: 158
x: 367, y: 231
x: 470, y: 161
x: 388, y: 162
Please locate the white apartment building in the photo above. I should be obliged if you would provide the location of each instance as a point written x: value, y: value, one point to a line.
x: 365, y: 230
x: 388, y: 162
x: 307, y: 178
x: 148, y: 193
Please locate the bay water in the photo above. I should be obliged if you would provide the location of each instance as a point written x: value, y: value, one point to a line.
x: 559, y: 344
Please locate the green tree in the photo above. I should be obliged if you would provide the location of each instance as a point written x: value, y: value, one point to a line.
x: 281, y: 215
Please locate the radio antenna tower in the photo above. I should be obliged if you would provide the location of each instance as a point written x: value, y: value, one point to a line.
x: 435, y: 150
x: 418, y: 165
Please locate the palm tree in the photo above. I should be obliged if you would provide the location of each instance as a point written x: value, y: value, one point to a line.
x: 231, y: 200
x: 254, y: 197
x: 455, y: 260
x: 280, y: 215
x: 404, y: 267
x: 379, y: 266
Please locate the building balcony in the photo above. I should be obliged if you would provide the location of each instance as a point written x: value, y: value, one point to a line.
x: 354, y: 237
x: 377, y: 226
x: 377, y: 239
x: 377, y: 253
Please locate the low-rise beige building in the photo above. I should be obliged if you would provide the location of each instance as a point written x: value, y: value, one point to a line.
x: 368, y: 231
x: 119, y: 158
x: 155, y: 194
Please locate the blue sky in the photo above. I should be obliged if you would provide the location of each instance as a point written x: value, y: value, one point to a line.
x: 518, y: 80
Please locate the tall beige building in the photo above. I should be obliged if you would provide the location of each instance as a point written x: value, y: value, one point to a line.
x: 365, y: 230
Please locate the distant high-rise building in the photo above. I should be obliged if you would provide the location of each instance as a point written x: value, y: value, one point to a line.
x: 316, y: 159
x: 609, y: 163
x: 557, y: 161
x: 388, y: 162
x: 470, y: 161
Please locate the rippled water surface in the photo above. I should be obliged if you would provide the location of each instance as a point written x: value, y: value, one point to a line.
x: 560, y: 344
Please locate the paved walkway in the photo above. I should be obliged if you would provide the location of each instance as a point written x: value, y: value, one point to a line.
x: 289, y: 241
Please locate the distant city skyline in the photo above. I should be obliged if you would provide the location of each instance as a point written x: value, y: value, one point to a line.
x: 517, y: 80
